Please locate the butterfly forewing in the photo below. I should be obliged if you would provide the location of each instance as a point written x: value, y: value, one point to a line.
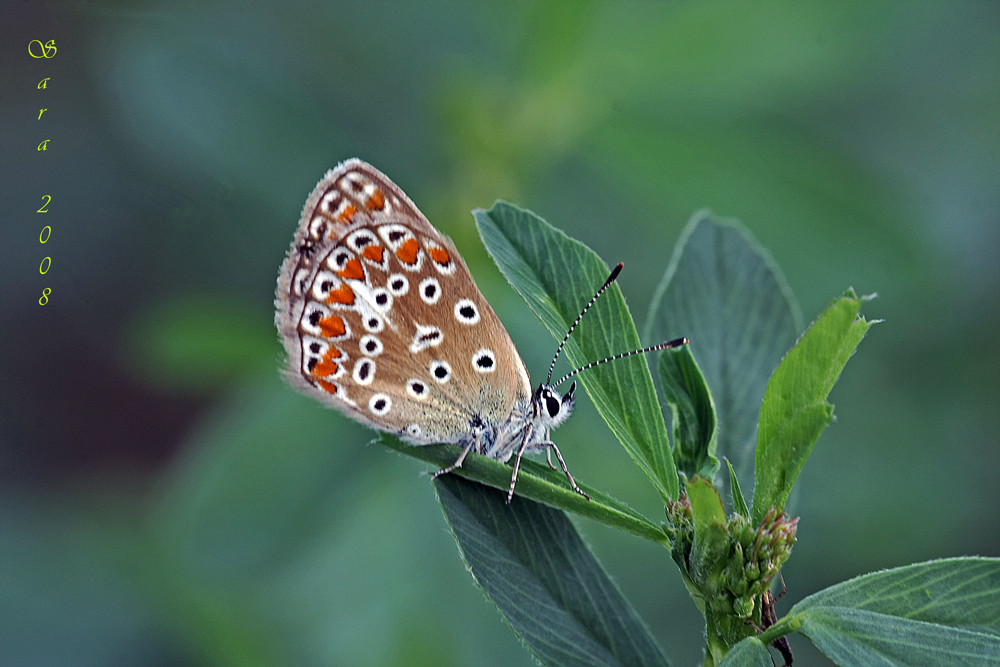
x: 381, y: 318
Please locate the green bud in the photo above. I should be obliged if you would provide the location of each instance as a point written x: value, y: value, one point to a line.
x: 735, y: 580
x: 743, y: 606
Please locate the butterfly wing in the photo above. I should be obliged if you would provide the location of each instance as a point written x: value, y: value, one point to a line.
x: 380, y: 316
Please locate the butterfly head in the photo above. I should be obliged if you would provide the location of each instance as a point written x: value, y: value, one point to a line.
x: 550, y: 407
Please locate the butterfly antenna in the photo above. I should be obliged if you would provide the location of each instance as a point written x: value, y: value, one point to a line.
x: 607, y: 283
x: 677, y: 342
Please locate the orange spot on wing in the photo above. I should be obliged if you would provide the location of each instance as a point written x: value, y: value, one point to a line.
x: 374, y: 253
x: 347, y: 214
x: 329, y: 387
x: 342, y: 294
x: 440, y: 255
x: 325, y: 368
x: 332, y: 326
x: 376, y: 201
x: 352, y: 270
x: 407, y: 251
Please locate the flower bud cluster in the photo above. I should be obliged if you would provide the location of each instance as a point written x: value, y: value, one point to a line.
x: 729, y: 566
x: 755, y: 557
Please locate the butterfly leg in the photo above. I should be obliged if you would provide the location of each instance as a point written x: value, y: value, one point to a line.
x: 473, y: 441
x: 552, y: 447
x: 548, y: 454
x: 517, y: 466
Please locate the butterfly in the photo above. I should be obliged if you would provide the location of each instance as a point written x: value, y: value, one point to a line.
x: 381, y: 319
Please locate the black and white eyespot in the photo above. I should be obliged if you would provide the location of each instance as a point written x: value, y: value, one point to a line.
x: 430, y: 290
x: 300, y: 281
x: 338, y: 259
x: 318, y: 225
x: 398, y: 284
x: 381, y: 299
x: 372, y: 323
x: 417, y: 389
x: 323, y: 284
x: 329, y: 202
x: 380, y: 404
x: 314, y: 346
x: 440, y: 371
x: 394, y: 235
x: 440, y: 256
x: 370, y: 345
x: 466, y: 311
x: 355, y: 180
x: 425, y: 337
x: 311, y: 317
x: 413, y: 430
x: 359, y: 240
x: 364, y: 371
x: 313, y: 350
x: 484, y: 361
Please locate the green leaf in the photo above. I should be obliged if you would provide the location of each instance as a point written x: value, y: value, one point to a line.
x: 739, y: 503
x: 859, y: 637
x: 795, y: 411
x: 530, y: 561
x: 725, y: 293
x: 957, y: 592
x: 791, y: 444
x: 711, y: 540
x: 538, y: 482
x: 557, y: 276
x: 693, y: 413
x: 944, y: 612
x: 750, y: 652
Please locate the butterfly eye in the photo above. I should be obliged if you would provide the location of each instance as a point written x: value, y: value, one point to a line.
x: 552, y: 404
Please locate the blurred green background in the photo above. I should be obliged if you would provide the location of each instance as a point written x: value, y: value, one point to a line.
x: 166, y: 499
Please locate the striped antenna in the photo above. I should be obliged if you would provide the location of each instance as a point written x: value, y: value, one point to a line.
x: 652, y: 348
x: 607, y: 283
